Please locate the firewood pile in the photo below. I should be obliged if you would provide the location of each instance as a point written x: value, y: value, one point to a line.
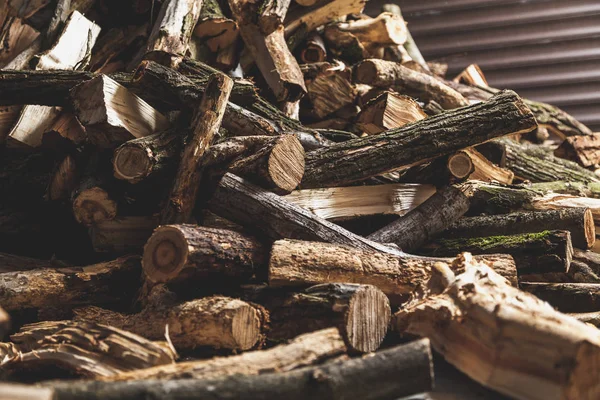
x: 276, y: 199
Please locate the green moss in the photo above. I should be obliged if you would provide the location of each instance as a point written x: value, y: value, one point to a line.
x: 492, y: 242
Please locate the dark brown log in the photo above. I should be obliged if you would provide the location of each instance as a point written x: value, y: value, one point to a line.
x: 4, y: 322
x: 358, y: 159
x: 584, y: 150
x: 174, y: 25
x: 567, y: 297
x: 65, y: 133
x: 392, y: 373
x: 590, y: 258
x: 122, y: 235
x: 534, y: 253
x: 301, y: 264
x: 14, y: 263
x: 314, y: 50
x: 113, y: 49
x: 190, y: 252
x: 578, y: 221
x: 61, y: 12
x: 63, y: 287
x: 16, y: 36
x: 205, y: 122
x: 426, y: 221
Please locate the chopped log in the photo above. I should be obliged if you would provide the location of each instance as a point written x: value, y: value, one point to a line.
x: 329, y: 87
x: 61, y: 13
x: 271, y: 14
x: 360, y: 312
x: 15, y: 36
x: 320, y: 13
x: 584, y: 150
x: 31, y: 124
x: 392, y: 373
x: 388, y: 111
x: 112, y: 114
x: 190, y: 252
x: 488, y: 330
x: 387, y: 74
x: 579, y: 272
x: 471, y: 164
x: 67, y: 127
x: 112, y: 47
x: 425, y: 221
x: 354, y: 201
x: 227, y: 59
x: 472, y: 75
x: 122, y: 235
x: 216, y: 321
x: 578, y: 221
x: 260, y: 210
x: 409, y: 45
x: 314, y: 50
x: 298, y: 263
x: 304, y: 350
x: 217, y: 31
x: 174, y: 25
x: 400, y: 148
x: 567, y: 297
x: 205, y: 124
x: 63, y: 180
x: 589, y: 258
x: 534, y: 253
x: 83, y: 348
x: 8, y: 116
x: 61, y: 287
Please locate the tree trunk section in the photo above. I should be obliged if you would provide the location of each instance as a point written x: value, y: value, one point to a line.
x: 567, y: 297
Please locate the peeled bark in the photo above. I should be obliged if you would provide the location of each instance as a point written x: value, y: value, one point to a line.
x: 567, y: 297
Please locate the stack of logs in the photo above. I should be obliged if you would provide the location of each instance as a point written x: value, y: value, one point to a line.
x: 211, y: 199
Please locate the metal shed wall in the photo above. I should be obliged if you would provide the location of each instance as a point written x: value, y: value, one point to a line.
x: 547, y: 50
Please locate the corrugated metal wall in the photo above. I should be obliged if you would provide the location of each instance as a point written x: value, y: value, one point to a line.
x: 547, y: 50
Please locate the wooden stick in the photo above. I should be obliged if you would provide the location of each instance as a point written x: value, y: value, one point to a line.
x: 466, y: 318
x: 425, y: 221
x: 585, y: 150
x: 347, y: 162
x: 314, y: 50
x: 567, y: 297
x: 471, y: 164
x: 411, y: 47
x: 216, y: 321
x: 174, y: 25
x: 206, y: 122
x: 392, y: 373
x: 271, y: 14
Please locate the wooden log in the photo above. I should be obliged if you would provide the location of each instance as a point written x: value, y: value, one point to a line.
x: 216, y: 321
x: 592, y: 318
x: 13, y: 263
x: 21, y: 391
x: 66, y: 129
x: 471, y: 164
x: 387, y: 74
x: 411, y: 47
x: 314, y: 50
x: 320, y: 13
x: 368, y: 378
x: 304, y: 350
x: 388, y: 111
x: 589, y: 258
x: 299, y: 263
x: 174, y: 25
x: 578, y: 221
x: 534, y: 253
x: 354, y: 201
x: 584, y: 150
x: 425, y: 221
x: 16, y: 36
x: 271, y: 14
x: 329, y: 87
x: 31, y: 124
x: 95, y: 284
x: 472, y: 75
x: 61, y: 13
x: 63, y: 180
x: 190, y: 252
x: 4, y: 322
x: 217, y: 30
x: 567, y: 297
x: 205, y: 122
x: 112, y: 52
x: 400, y: 148
x: 82, y: 348
x: 580, y: 272
x: 122, y: 235
x: 488, y: 330
x: 112, y: 114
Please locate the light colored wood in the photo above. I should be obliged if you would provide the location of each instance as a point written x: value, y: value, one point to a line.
x: 15, y: 37
x: 472, y: 75
x: 15, y: 391
x: 174, y: 25
x: 471, y: 164
x: 68, y: 127
x: 353, y: 201
x: 31, y: 124
x: 504, y: 338
x: 387, y: 111
x: 112, y: 114
x: 554, y: 201
x: 314, y: 17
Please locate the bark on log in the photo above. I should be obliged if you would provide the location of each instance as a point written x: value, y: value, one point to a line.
x: 392, y: 373
x: 62, y: 287
x: 534, y: 253
x: 567, y: 297
x: 298, y: 263
x: 122, y: 235
x: 189, y: 252
x: 271, y: 14
x: 388, y: 111
x: 314, y: 50
x: 578, y: 221
x: 358, y: 159
x: 471, y: 164
x: 61, y: 13
x: 488, y: 330
x: 387, y: 74
x: 308, y: 349
x: 584, y: 150
x: 320, y: 13
x: 217, y: 30
x: 205, y: 124
x: 216, y: 321
x: 426, y: 221
x: 174, y: 25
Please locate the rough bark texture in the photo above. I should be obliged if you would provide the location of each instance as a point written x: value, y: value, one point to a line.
x: 122, y: 235
x: 205, y: 125
x: 534, y: 253
x: 358, y: 159
x: 298, y: 263
x: 392, y: 373
x: 174, y: 25
x: 215, y: 321
x: 190, y: 252
x: 578, y: 221
x: 584, y: 150
x: 489, y: 330
x: 63, y: 287
x: 426, y: 221
x: 567, y: 297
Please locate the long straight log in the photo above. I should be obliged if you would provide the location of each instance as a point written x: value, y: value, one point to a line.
x: 567, y: 297
x: 401, y: 148
x: 392, y: 373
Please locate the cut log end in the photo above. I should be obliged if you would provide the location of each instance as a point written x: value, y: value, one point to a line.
x: 286, y: 164
x: 312, y: 55
x: 367, y: 319
x: 93, y: 206
x: 131, y: 163
x: 460, y: 165
x: 165, y: 254
x: 366, y: 72
x: 245, y: 327
x: 589, y: 228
